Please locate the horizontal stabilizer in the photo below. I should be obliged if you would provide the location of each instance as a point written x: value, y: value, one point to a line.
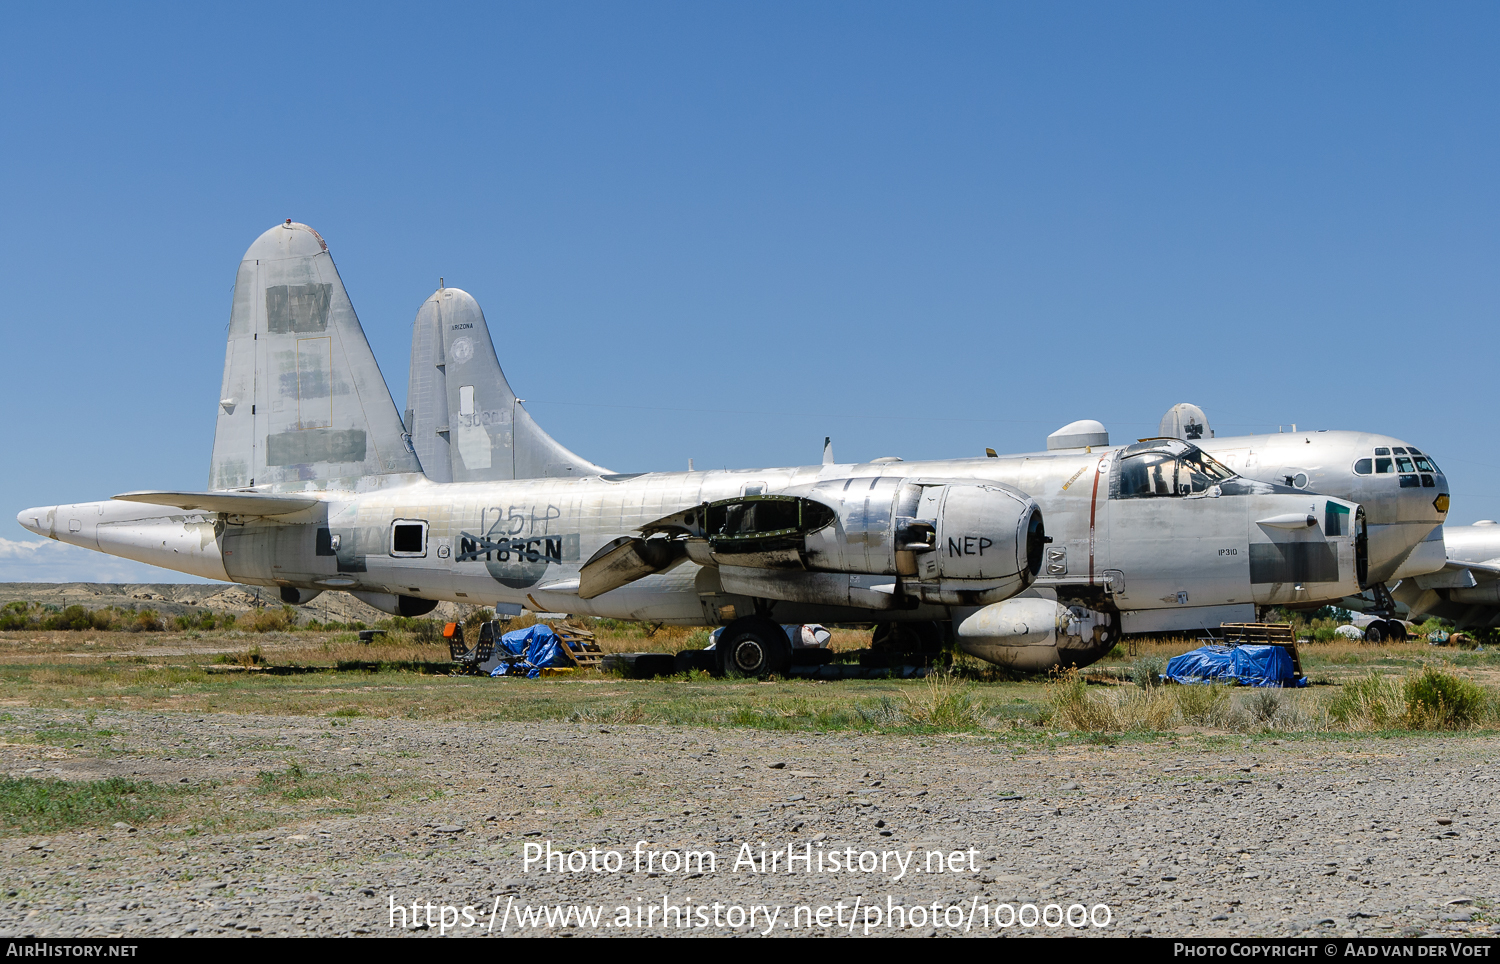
x: 234, y: 503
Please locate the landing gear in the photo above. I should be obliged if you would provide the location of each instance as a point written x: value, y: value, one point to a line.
x: 896, y: 644
x: 753, y: 646
x: 1386, y: 628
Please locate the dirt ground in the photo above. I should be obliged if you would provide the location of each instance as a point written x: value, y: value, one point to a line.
x: 326, y: 788
x: 1195, y: 836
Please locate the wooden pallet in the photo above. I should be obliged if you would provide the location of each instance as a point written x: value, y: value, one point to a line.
x: 580, y: 646
x: 1263, y: 634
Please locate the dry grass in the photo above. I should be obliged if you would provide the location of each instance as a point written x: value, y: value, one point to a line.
x: 403, y: 674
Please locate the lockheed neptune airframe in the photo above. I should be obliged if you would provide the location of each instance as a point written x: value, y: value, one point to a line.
x: 1029, y: 561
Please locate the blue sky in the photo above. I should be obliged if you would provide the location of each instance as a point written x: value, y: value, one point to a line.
x: 721, y: 232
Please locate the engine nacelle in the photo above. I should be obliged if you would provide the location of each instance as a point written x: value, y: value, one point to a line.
x: 953, y: 543
x: 396, y: 605
x: 293, y: 596
x: 1031, y: 635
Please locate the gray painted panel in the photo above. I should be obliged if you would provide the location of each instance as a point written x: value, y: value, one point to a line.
x: 297, y: 308
x: 316, y: 445
x: 1293, y: 562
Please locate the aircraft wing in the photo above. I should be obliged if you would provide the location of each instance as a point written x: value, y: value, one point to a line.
x: 235, y: 503
x: 1459, y: 575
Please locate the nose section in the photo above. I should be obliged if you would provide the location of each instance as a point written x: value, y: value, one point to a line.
x: 35, y: 519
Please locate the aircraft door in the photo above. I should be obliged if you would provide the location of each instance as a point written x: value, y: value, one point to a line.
x: 1174, y: 541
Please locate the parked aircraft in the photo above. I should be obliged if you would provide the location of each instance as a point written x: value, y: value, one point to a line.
x: 1467, y: 589
x: 1401, y: 488
x: 316, y: 484
x: 1155, y: 597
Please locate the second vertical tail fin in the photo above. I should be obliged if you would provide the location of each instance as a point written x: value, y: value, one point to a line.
x: 465, y: 422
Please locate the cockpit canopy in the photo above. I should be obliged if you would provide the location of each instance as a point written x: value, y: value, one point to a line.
x: 1165, y: 467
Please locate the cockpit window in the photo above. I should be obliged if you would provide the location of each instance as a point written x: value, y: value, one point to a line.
x: 1167, y: 468
x: 1426, y: 465
x: 1398, y: 450
x: 1382, y: 451
x: 1403, y: 465
x: 1364, y: 467
x: 1383, y: 466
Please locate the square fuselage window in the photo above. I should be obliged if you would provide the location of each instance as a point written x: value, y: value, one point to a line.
x: 408, y: 538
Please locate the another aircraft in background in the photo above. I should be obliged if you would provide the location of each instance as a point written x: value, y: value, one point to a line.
x: 1466, y: 591
x: 1401, y: 488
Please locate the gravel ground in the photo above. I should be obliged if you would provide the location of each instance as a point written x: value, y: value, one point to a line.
x: 1199, y: 835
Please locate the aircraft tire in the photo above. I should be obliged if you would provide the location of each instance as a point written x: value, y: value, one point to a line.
x: 1375, y: 632
x: 1395, y: 631
x: 753, y: 647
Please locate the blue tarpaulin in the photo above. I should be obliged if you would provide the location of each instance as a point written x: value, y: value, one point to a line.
x: 538, y: 646
x: 1244, y: 665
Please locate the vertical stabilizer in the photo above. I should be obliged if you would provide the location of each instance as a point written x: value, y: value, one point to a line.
x: 466, y: 423
x: 302, y: 398
x: 427, y: 393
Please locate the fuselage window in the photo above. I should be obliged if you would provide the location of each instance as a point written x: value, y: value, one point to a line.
x: 1427, y: 482
x: 1364, y: 467
x: 1383, y: 466
x: 408, y: 538
x: 1410, y: 482
x: 1154, y: 474
x: 1145, y: 476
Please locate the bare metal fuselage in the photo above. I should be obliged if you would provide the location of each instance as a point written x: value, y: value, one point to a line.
x: 523, y: 543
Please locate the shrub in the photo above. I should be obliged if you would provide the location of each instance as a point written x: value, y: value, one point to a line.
x: 942, y: 701
x: 1072, y: 706
x: 1205, y: 704
x: 475, y: 619
x: 269, y: 620
x: 16, y: 615
x: 73, y: 618
x: 1146, y: 671
x: 147, y: 621
x: 1154, y: 709
x: 1264, y: 704
x: 1375, y: 701
x: 1439, y: 700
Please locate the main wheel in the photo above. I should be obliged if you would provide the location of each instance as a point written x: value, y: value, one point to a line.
x: 1395, y: 630
x: 753, y: 646
x: 1375, y: 632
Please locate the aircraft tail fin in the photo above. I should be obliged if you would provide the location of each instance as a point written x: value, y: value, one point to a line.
x: 465, y: 423
x: 302, y: 398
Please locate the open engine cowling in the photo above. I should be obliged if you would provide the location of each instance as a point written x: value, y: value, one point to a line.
x: 875, y: 543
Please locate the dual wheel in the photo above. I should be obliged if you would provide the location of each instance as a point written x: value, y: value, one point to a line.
x: 753, y: 646
x: 1385, y: 629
